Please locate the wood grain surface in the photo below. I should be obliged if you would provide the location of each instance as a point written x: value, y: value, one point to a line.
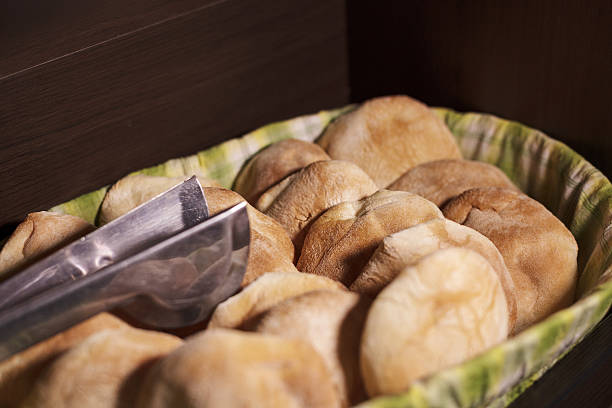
x: 82, y: 120
x: 33, y: 32
x: 545, y: 63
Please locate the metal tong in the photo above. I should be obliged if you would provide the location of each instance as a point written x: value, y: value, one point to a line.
x: 164, y: 263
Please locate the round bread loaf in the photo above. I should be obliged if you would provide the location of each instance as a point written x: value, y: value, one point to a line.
x: 341, y: 241
x: 387, y: 136
x: 245, y: 308
x: 332, y: 322
x: 440, y: 180
x: 19, y: 372
x: 539, y: 251
x: 105, y: 370
x: 131, y: 191
x: 273, y: 164
x: 227, y: 368
x: 407, y: 247
x: 439, y: 312
x: 313, y: 190
x: 39, y: 234
x: 270, y: 248
x: 268, y: 196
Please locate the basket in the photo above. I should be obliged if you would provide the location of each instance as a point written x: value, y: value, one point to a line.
x: 542, y: 167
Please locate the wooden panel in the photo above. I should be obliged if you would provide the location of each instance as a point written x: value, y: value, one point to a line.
x: 33, y: 32
x: 83, y: 121
x: 545, y: 63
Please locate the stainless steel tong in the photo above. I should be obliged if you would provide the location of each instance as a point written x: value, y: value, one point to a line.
x: 164, y: 263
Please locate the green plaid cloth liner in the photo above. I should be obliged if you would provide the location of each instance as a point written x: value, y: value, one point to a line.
x: 545, y: 169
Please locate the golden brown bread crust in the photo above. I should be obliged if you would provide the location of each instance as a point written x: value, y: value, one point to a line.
x: 439, y: 312
x: 271, y: 249
x: 245, y: 308
x: 19, y: 373
x: 267, y: 198
x: 539, y: 251
x: 332, y: 322
x: 440, y: 180
x: 387, y: 136
x: 407, y: 247
x: 341, y: 241
x: 273, y: 164
x: 103, y: 371
x: 39, y: 234
x: 228, y: 368
x: 313, y: 190
x: 131, y: 191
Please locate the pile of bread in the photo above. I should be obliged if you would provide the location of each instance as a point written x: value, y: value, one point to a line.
x: 378, y: 257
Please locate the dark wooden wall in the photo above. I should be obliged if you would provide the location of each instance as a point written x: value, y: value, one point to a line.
x: 546, y: 63
x: 90, y: 90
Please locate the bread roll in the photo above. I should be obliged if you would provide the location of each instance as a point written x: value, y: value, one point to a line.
x: 332, y: 322
x: 105, y: 370
x: 267, y: 198
x: 226, y: 368
x: 387, y: 136
x: 134, y: 190
x: 341, y: 241
x: 539, y: 251
x: 446, y: 308
x: 243, y: 310
x: 271, y: 249
x: 39, y: 234
x: 19, y: 372
x: 407, y: 247
x: 314, y: 189
x: 440, y: 180
x: 273, y: 164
